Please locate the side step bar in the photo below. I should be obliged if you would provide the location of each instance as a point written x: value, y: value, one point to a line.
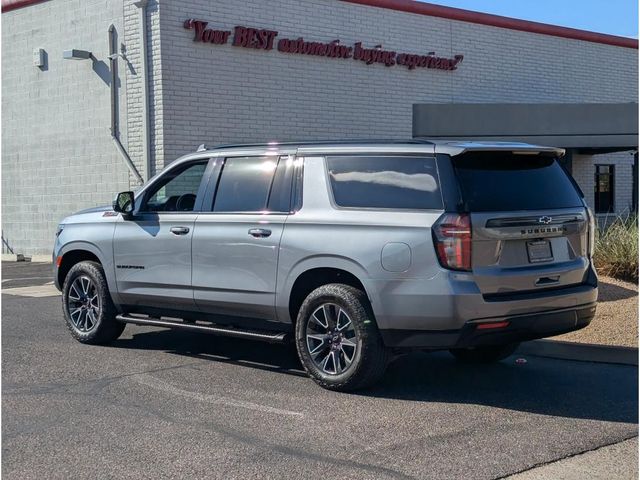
x: 270, y: 337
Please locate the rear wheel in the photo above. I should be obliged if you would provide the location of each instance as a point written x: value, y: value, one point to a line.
x: 489, y: 354
x: 337, y: 339
x: 88, y: 309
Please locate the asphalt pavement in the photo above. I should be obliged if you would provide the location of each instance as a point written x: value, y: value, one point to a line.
x: 163, y: 404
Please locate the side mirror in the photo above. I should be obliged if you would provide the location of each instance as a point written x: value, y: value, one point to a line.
x: 124, y: 203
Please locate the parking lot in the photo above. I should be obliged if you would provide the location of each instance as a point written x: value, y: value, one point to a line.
x: 160, y: 404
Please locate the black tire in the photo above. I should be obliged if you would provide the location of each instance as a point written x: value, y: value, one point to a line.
x: 369, y: 360
x: 106, y: 328
x: 489, y: 354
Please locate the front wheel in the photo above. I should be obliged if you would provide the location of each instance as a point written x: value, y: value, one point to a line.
x: 337, y: 339
x: 490, y: 354
x: 88, y: 309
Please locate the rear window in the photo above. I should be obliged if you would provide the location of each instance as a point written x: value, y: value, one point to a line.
x: 491, y: 181
x: 385, y: 182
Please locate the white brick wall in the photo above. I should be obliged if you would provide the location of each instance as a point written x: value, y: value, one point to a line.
x: 57, y: 156
x: 134, y: 85
x: 57, y: 153
x: 584, y: 172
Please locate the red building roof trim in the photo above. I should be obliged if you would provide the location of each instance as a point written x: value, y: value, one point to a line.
x: 429, y: 9
x: 8, y: 5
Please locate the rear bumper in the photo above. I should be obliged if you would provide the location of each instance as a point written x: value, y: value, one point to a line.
x: 515, y: 328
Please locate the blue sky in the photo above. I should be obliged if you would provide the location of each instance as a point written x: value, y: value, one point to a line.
x: 616, y: 17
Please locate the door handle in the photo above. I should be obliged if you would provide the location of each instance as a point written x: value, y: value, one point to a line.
x: 259, y: 232
x: 179, y: 230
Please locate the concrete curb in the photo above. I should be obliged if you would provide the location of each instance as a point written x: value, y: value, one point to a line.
x: 12, y: 257
x: 41, y: 258
x: 18, y: 257
x: 581, y: 352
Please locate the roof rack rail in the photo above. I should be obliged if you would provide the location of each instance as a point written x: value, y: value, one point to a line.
x: 415, y: 141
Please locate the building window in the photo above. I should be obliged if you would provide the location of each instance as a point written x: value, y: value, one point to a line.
x: 604, y: 189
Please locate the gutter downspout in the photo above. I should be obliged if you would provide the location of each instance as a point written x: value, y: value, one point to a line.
x: 113, y: 67
x: 146, y: 122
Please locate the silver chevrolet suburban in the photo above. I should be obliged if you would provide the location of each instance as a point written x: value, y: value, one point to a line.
x: 357, y: 251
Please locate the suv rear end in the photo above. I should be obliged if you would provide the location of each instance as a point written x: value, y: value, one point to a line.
x: 516, y: 239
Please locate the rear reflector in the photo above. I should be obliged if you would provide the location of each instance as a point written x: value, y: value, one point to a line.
x: 59, y: 261
x: 487, y: 326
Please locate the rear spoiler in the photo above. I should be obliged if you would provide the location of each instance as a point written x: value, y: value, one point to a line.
x: 454, y: 148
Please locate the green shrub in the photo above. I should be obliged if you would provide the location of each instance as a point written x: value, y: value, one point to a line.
x: 616, y: 249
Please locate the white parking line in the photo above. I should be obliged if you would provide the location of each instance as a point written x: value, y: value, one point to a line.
x: 48, y: 290
x: 19, y: 279
x: 153, y: 382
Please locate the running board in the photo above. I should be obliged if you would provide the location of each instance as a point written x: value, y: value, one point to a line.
x: 270, y: 337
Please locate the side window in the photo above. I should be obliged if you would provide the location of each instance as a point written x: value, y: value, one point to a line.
x: 177, y: 190
x: 254, y: 184
x: 385, y: 182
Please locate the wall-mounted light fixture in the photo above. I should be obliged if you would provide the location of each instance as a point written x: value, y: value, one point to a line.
x: 39, y: 58
x: 76, y: 54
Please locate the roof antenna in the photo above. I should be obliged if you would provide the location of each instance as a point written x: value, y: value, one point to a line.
x: 202, y: 148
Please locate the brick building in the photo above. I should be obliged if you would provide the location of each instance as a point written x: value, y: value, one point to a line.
x: 195, y: 72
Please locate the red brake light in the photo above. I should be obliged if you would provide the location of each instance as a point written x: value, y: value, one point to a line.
x: 452, y: 238
x: 488, y: 326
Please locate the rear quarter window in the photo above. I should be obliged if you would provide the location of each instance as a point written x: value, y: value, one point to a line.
x: 385, y: 182
x: 495, y: 181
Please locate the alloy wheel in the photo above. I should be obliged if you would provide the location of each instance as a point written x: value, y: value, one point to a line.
x: 331, y: 339
x: 83, y: 303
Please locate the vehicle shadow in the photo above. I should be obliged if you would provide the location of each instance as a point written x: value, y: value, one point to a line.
x: 260, y: 355
x: 581, y: 390
x: 610, y: 292
x: 544, y: 386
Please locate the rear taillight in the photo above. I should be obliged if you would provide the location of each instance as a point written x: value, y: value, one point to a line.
x: 592, y: 232
x: 452, y: 239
